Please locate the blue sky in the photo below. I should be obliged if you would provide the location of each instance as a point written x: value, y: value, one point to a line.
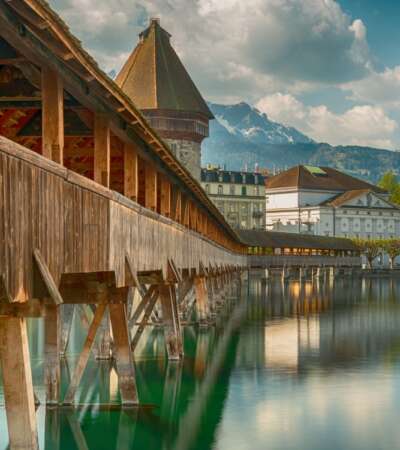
x: 381, y: 18
x: 330, y: 68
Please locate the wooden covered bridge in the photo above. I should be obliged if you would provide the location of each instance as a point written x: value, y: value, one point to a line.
x: 272, y: 249
x: 93, y: 204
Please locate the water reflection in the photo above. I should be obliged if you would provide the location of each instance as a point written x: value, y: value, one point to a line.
x: 296, y: 365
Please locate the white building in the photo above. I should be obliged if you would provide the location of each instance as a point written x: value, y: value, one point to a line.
x: 324, y: 201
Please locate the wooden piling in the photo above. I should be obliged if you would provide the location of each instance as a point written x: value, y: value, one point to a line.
x: 17, y: 382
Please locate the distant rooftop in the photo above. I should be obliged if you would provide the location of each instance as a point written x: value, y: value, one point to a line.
x: 319, y: 178
x: 216, y: 175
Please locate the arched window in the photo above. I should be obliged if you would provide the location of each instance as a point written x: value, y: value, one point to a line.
x: 220, y: 189
x: 207, y: 188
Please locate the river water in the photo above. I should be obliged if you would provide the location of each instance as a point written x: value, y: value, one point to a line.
x: 294, y: 366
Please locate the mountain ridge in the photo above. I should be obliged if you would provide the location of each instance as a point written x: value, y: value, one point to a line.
x: 243, y: 136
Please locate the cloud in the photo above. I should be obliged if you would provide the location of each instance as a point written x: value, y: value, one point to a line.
x: 377, y: 88
x: 233, y: 49
x: 360, y: 125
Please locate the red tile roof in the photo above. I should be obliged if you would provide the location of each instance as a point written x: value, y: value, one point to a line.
x: 301, y: 177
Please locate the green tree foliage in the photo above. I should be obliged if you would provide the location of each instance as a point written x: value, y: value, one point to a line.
x: 369, y: 247
x: 392, y: 248
x: 389, y: 183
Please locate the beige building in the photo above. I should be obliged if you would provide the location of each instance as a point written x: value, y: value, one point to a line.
x: 240, y: 196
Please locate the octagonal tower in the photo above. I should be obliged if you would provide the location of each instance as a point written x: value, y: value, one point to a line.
x: 159, y: 85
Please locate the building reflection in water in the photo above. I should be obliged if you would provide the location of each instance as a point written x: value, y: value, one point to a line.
x: 273, y: 363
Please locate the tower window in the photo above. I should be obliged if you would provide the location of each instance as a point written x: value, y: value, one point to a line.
x: 220, y: 189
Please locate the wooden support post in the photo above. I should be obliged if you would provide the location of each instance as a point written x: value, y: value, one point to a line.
x: 123, y: 355
x: 176, y: 204
x: 52, y: 354
x: 151, y: 301
x: 85, y: 353
x: 142, y: 305
x: 52, y: 116
x: 165, y: 197
x: 67, y: 316
x: 131, y: 172
x: 104, y: 345
x: 185, y: 211
x: 172, y: 329
x: 150, y: 186
x: 17, y: 383
x: 102, y: 150
x: 201, y: 298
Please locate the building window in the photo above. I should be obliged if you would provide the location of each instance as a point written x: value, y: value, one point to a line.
x: 220, y: 189
x: 257, y: 190
x: 232, y: 189
x: 244, y: 190
x: 207, y: 188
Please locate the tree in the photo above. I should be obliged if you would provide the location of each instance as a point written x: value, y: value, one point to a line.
x: 369, y: 247
x: 389, y: 183
x: 392, y: 248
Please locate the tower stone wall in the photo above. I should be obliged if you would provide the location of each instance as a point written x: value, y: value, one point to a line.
x: 188, y: 153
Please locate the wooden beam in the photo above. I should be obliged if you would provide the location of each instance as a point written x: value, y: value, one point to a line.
x: 67, y: 317
x: 145, y: 300
x: 131, y: 172
x: 201, y: 298
x: 149, y: 308
x: 52, y: 370
x: 165, y: 209
x: 102, y: 150
x: 176, y: 203
x: 172, y: 331
x: 52, y: 115
x: 85, y: 353
x: 47, y: 278
x: 17, y: 383
x: 150, y: 186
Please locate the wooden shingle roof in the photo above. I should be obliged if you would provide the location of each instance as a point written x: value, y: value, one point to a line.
x: 331, y: 179
x: 155, y: 78
x: 277, y: 239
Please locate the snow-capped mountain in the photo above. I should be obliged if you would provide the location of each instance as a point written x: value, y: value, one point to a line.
x: 241, y: 136
x: 246, y: 122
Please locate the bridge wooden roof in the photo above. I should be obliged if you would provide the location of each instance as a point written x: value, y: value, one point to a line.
x: 42, y: 37
x: 155, y: 78
x: 276, y: 239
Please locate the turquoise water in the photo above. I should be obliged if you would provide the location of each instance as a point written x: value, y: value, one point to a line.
x: 311, y: 366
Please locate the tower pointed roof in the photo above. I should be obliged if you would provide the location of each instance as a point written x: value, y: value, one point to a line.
x: 155, y: 78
